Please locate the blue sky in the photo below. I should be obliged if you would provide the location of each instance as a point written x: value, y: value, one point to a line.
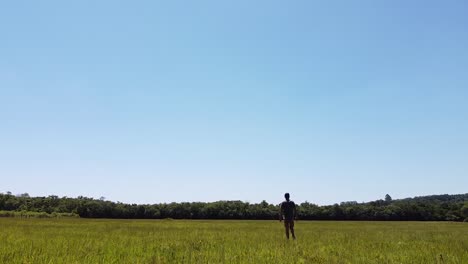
x: 160, y: 101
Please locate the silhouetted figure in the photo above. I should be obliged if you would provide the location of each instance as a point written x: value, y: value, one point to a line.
x: 288, y: 213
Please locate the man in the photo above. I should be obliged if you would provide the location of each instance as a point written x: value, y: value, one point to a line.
x: 288, y: 213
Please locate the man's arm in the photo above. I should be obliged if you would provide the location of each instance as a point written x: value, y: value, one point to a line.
x: 281, y: 212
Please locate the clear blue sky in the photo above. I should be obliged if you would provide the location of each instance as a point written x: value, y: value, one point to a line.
x: 160, y: 101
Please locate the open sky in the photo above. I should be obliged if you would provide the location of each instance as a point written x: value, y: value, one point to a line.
x: 161, y: 101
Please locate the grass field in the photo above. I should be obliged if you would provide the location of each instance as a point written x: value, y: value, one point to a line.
x: 176, y: 241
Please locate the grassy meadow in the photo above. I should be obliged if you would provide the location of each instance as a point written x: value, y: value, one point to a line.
x: 190, y: 241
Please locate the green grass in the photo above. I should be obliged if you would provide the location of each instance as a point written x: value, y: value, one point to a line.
x: 174, y: 241
x: 28, y: 214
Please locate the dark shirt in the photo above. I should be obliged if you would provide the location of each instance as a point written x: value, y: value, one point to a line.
x: 288, y: 209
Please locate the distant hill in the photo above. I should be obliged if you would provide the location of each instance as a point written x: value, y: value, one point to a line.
x: 439, y: 198
x: 444, y: 207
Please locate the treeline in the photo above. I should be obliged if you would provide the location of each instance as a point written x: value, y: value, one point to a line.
x: 425, y: 208
x: 28, y: 214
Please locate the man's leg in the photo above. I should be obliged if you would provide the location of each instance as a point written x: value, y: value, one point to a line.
x: 291, y: 225
x: 286, y: 228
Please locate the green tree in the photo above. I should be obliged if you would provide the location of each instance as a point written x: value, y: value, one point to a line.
x: 464, y: 211
x: 388, y: 198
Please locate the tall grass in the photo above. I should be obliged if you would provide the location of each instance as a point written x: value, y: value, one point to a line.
x: 27, y: 214
x: 173, y: 241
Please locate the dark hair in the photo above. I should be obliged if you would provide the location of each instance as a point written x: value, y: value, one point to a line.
x: 286, y: 195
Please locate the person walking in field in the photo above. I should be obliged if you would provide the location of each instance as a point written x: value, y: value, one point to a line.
x: 288, y: 213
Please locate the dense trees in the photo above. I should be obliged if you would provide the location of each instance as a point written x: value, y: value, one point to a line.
x: 426, y: 208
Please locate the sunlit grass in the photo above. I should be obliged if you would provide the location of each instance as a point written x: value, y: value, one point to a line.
x: 176, y: 241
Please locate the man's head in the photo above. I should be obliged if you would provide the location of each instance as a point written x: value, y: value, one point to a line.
x: 286, y: 195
